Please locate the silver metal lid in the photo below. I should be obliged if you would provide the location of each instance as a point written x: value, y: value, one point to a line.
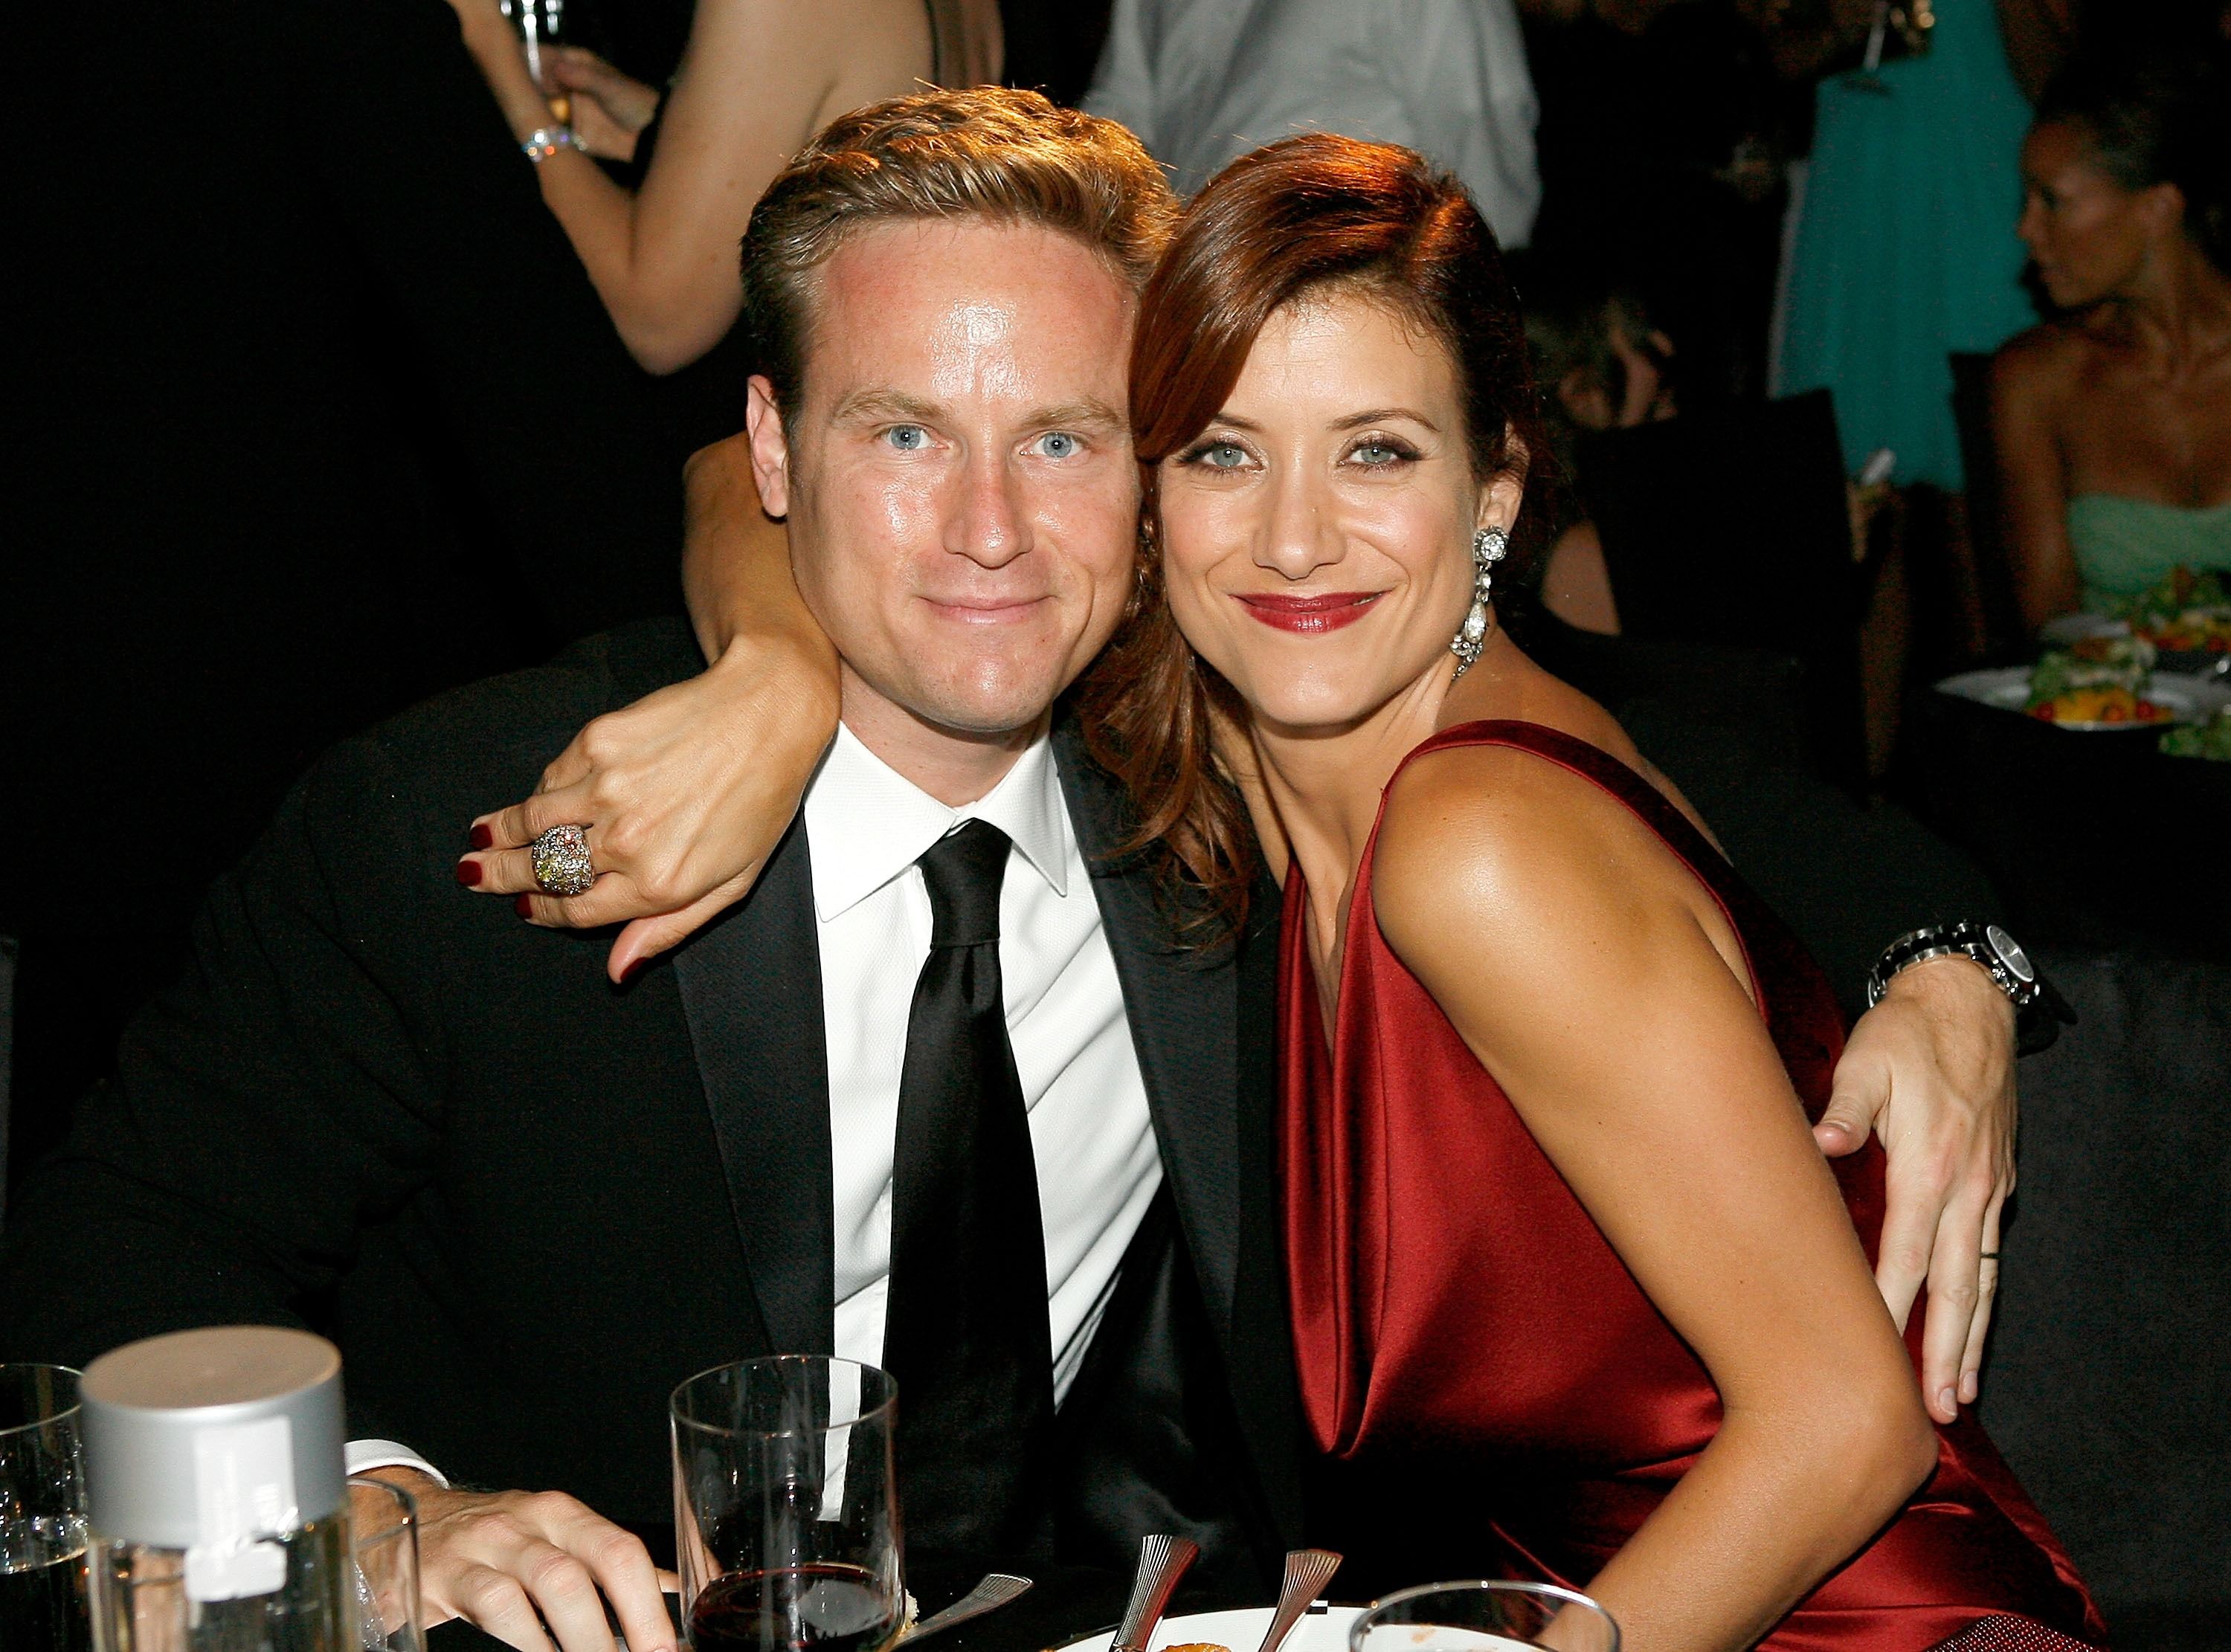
x: 213, y: 1437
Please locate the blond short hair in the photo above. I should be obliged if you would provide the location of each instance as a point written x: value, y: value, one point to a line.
x: 986, y: 153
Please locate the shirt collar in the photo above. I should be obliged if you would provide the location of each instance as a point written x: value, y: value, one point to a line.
x: 866, y: 823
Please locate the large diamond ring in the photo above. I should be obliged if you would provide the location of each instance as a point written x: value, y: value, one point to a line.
x: 561, y: 861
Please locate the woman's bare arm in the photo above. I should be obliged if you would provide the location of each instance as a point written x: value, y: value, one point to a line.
x: 687, y: 792
x: 2027, y: 380
x: 758, y: 78
x: 1596, y: 981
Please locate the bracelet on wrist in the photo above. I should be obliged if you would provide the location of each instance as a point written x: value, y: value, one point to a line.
x: 543, y: 142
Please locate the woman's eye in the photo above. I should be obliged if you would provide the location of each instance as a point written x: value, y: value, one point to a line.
x: 1059, y: 444
x: 1220, y: 455
x: 1377, y: 454
x: 907, y: 438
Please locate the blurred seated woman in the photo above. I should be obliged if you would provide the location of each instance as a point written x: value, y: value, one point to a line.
x: 758, y: 78
x: 2113, y: 421
x: 1602, y: 366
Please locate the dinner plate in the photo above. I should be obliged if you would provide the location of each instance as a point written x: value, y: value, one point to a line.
x: 1242, y: 1631
x: 2187, y: 699
x: 2065, y: 629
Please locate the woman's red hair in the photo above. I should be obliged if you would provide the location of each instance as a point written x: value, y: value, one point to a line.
x: 1306, y: 213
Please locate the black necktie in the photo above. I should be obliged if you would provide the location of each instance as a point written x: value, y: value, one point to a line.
x: 965, y: 1331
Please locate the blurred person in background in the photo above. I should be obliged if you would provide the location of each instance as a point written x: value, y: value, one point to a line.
x: 1600, y: 365
x: 1203, y: 81
x: 2113, y: 421
x: 1662, y: 160
x: 757, y: 79
x: 1902, y: 253
x: 314, y: 416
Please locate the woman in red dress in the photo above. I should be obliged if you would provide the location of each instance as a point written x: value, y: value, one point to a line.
x: 1575, y: 1296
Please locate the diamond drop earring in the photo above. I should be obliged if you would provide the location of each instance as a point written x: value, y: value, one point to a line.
x: 1488, y: 546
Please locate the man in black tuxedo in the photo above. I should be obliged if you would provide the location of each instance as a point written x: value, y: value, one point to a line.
x: 528, y: 1204
x: 940, y: 1093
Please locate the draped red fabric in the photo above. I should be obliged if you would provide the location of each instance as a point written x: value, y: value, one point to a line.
x: 1455, y: 1306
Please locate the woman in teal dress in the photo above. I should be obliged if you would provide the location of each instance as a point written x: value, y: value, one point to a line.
x: 1904, y: 250
x: 2112, y: 421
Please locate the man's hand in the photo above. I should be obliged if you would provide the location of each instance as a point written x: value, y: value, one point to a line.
x: 1930, y: 1069
x: 533, y: 1569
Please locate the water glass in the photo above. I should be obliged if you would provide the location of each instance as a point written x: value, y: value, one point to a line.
x: 785, y: 1511
x: 1483, y: 1618
x: 42, y: 1533
x: 383, y: 1535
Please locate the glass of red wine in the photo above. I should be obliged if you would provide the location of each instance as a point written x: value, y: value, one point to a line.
x: 786, y: 1512
x: 42, y: 1535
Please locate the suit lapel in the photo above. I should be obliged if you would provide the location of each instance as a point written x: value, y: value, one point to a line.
x: 1205, y: 1027
x: 751, y: 987
x: 1183, y: 1010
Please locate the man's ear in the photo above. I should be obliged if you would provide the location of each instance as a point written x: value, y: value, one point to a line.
x: 770, y: 447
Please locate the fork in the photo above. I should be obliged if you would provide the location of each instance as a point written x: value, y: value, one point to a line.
x: 1308, y: 1571
x: 996, y: 1591
x: 1163, y: 1561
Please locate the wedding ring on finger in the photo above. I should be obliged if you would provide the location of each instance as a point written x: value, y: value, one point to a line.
x: 561, y: 861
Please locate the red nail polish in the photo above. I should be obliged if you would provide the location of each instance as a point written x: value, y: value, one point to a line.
x: 469, y: 872
x: 483, y: 837
x: 523, y: 907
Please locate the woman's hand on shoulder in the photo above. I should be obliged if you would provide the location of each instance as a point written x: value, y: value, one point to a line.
x: 687, y: 792
x: 684, y: 795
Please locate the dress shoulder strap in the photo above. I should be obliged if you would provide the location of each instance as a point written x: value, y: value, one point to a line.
x: 1592, y: 763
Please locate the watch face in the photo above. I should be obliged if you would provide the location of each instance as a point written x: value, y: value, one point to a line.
x: 2010, y: 954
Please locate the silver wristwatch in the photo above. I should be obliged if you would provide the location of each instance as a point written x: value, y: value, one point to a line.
x: 2040, y: 1012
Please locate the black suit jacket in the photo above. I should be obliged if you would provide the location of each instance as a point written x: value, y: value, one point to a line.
x: 528, y: 1204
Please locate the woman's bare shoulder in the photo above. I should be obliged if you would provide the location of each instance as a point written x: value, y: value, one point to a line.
x: 2044, y: 362
x: 1495, y: 837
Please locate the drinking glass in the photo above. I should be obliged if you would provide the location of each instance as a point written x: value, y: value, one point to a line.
x: 384, y: 1534
x: 785, y: 1514
x: 1483, y: 1618
x: 42, y: 1535
x: 539, y: 23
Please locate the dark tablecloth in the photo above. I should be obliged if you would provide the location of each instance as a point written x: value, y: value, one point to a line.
x: 2094, y: 839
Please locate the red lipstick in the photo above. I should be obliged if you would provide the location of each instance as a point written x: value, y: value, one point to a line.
x: 1311, y: 615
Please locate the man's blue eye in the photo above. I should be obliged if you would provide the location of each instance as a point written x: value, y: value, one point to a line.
x: 1058, y: 444
x: 909, y: 438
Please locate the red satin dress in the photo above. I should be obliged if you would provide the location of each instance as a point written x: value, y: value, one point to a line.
x: 1479, y: 1368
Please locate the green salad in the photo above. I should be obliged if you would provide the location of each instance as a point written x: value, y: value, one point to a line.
x: 2209, y: 740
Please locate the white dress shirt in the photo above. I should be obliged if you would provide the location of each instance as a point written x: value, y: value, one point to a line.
x: 1098, y: 1167
x: 1204, y: 82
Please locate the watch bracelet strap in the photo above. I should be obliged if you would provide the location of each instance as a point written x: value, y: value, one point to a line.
x: 2039, y: 1011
